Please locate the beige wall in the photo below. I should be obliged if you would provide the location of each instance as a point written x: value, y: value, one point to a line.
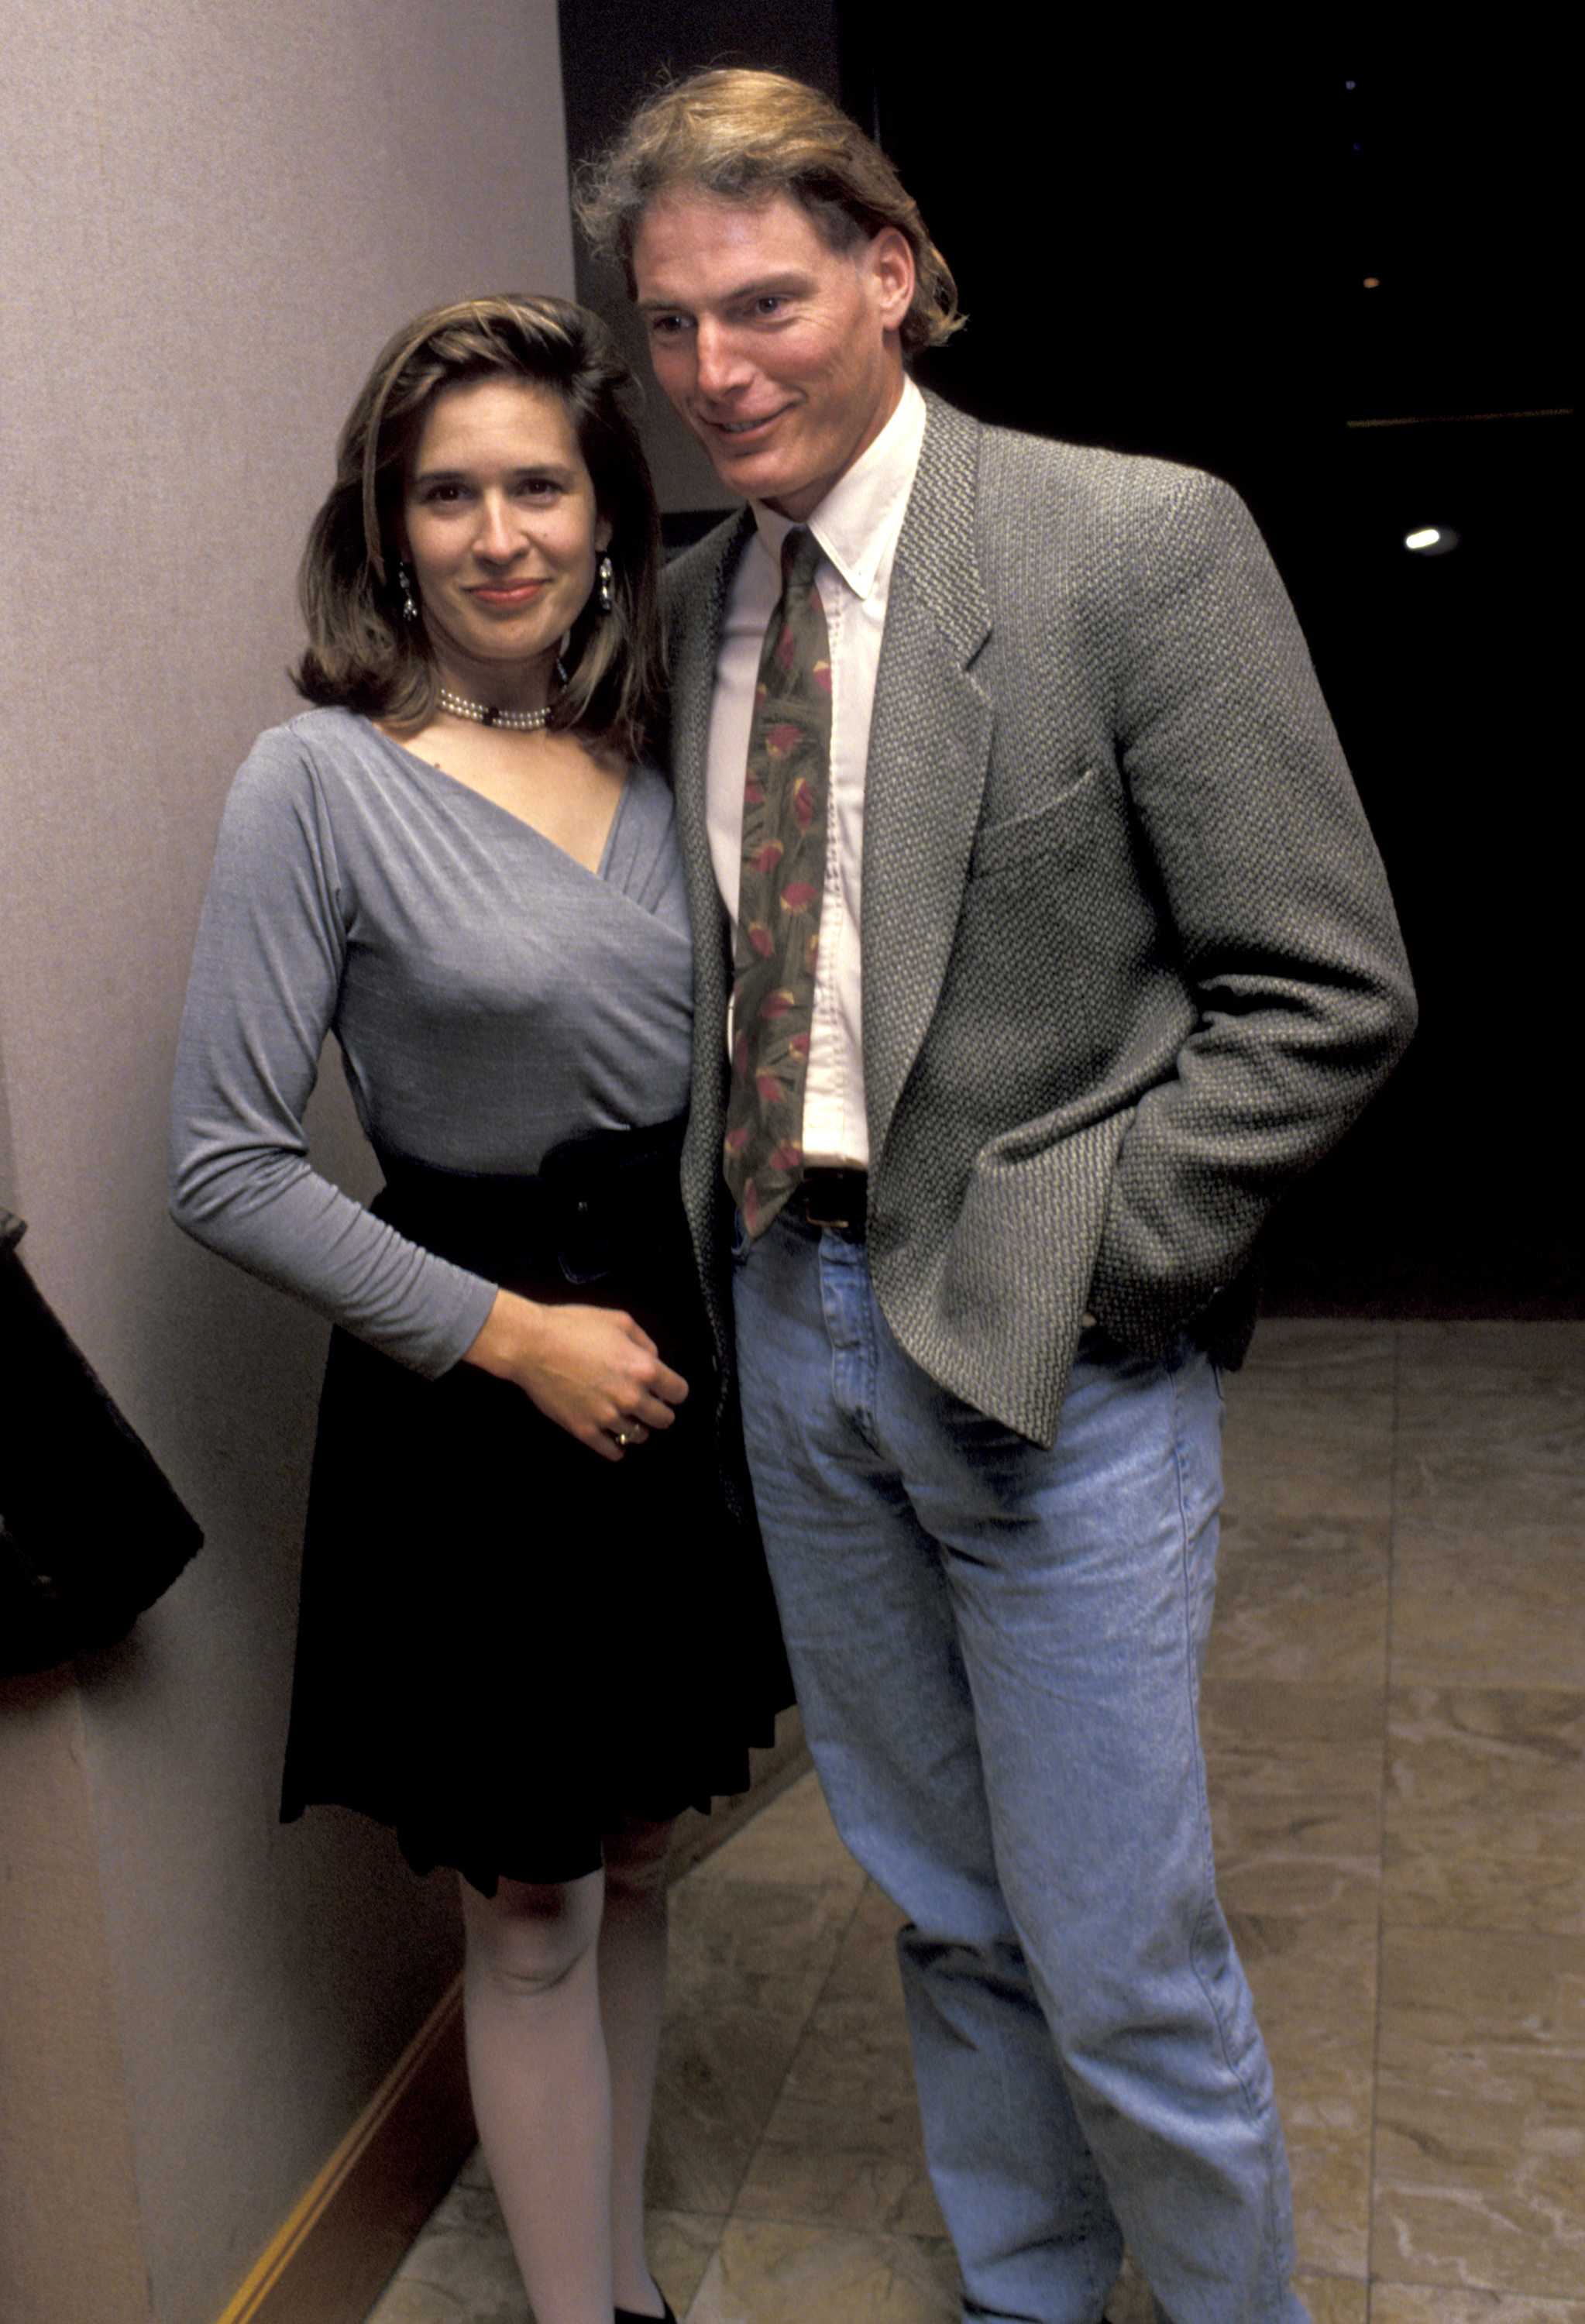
x: 211, y: 218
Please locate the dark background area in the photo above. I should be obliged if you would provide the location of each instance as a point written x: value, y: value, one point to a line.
x: 1166, y: 248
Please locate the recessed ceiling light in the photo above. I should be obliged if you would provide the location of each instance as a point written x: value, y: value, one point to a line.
x: 1432, y: 539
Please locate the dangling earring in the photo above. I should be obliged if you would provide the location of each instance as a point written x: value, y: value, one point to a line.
x: 405, y: 582
x: 603, y: 572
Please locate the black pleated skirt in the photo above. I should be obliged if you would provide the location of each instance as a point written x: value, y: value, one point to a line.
x: 506, y: 1643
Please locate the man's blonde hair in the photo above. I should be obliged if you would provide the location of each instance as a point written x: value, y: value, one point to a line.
x: 746, y: 137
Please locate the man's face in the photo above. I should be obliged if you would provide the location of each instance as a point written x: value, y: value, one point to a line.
x: 782, y: 354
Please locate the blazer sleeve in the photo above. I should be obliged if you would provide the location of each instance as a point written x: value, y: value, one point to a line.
x: 1276, y: 901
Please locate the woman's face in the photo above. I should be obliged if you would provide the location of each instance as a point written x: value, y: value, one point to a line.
x: 501, y: 533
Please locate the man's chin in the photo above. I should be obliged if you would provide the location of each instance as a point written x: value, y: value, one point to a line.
x: 754, y: 473
x: 751, y: 474
x: 768, y: 482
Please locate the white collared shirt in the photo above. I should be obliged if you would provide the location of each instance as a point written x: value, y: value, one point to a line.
x: 857, y: 526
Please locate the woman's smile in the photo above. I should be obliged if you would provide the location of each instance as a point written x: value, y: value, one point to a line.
x: 507, y: 593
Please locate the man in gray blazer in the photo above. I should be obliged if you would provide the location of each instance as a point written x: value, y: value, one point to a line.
x: 1096, y: 956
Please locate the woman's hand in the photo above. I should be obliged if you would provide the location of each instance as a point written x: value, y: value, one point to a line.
x: 590, y: 1370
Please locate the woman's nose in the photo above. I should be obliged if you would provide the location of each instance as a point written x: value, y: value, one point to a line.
x: 497, y: 537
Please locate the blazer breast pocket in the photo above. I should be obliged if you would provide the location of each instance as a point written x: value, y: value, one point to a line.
x: 1023, y: 843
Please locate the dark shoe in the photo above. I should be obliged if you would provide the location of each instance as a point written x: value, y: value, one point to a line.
x: 632, y: 2315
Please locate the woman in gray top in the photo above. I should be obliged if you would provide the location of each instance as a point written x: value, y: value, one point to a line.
x: 530, y: 1630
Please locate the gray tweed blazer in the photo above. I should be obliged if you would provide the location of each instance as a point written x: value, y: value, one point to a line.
x: 1129, y: 960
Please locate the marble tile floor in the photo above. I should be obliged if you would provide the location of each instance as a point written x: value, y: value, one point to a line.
x: 1394, y: 1719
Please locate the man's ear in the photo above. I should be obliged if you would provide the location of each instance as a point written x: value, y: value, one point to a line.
x: 890, y: 261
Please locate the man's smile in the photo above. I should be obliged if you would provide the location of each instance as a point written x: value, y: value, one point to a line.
x: 744, y: 426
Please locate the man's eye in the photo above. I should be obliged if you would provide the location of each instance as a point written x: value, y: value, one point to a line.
x: 667, y: 326
x: 771, y: 303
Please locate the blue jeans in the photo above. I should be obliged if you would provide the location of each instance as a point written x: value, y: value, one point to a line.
x: 997, y: 1651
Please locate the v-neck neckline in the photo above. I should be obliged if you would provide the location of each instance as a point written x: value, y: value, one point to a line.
x: 522, y: 821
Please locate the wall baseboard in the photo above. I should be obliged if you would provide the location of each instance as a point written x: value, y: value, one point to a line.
x: 345, y: 2238
x: 354, y: 2225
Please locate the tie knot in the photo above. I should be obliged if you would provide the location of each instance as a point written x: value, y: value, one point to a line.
x: 800, y: 554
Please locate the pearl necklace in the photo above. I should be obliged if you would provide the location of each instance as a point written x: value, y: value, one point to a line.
x: 522, y: 722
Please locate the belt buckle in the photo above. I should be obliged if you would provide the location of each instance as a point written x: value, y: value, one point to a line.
x: 839, y: 1219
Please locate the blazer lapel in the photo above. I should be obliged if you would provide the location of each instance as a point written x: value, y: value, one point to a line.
x: 695, y: 600
x: 929, y: 752
x: 695, y: 594
x: 697, y: 605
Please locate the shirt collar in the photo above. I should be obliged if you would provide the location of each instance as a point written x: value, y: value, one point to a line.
x: 862, y: 515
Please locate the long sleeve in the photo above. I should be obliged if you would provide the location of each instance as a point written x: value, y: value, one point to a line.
x: 266, y: 978
x: 1277, y: 899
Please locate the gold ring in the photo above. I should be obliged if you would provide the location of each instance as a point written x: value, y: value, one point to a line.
x: 621, y: 1438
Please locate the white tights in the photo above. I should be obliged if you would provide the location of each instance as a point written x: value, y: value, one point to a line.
x: 563, y: 1995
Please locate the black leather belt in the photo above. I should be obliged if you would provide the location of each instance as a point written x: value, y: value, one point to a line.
x: 833, y: 1199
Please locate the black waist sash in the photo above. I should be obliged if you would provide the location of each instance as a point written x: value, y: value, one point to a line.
x: 599, y: 1205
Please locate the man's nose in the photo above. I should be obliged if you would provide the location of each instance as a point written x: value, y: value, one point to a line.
x: 720, y: 361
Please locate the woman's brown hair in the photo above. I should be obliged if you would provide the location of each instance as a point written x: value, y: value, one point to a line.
x: 363, y: 654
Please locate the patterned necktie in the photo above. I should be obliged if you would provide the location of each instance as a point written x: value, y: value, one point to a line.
x: 778, y: 900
